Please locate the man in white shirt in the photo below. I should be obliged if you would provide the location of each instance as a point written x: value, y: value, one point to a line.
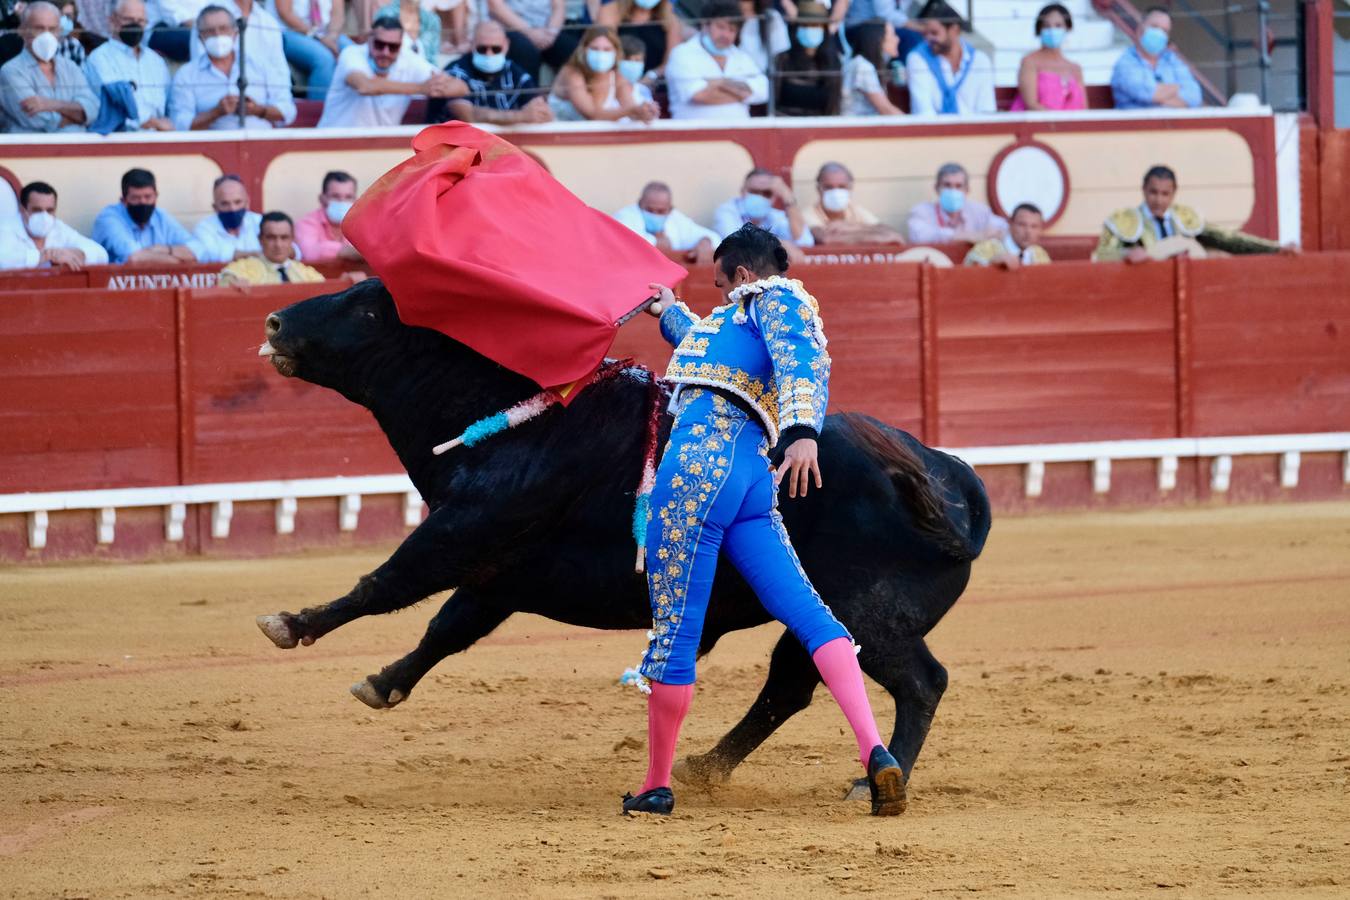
x: 708, y: 76
x: 755, y: 206
x: 127, y: 58
x: 954, y: 216
x: 232, y: 231
x: 41, y: 240
x: 655, y: 217
x: 205, y: 94
x: 375, y: 82
x: 946, y: 75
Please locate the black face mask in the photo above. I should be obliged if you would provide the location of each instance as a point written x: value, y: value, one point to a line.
x: 131, y: 35
x: 140, y: 212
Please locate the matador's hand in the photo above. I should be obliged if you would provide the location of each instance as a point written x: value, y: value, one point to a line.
x: 662, y: 298
x: 799, y: 465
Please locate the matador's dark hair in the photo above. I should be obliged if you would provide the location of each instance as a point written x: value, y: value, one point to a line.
x: 753, y: 247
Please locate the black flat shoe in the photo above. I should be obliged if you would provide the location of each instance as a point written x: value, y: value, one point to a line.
x: 658, y: 800
x: 887, y: 782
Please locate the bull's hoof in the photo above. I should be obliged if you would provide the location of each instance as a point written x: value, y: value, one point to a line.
x: 279, y: 630
x: 370, y: 695
x: 697, y: 771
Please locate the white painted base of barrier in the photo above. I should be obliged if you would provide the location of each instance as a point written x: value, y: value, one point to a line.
x: 1289, y: 449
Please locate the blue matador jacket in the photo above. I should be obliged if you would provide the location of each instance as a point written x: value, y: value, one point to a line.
x: 771, y: 355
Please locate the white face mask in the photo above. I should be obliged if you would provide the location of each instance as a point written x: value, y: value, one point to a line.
x: 45, y: 46
x: 219, y: 46
x: 40, y: 224
x: 835, y: 199
x: 337, y: 210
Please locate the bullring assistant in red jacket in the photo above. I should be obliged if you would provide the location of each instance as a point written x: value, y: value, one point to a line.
x: 750, y: 377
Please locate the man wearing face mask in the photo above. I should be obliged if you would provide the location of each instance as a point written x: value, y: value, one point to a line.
x: 205, y: 94
x: 135, y: 230
x: 232, y: 231
x: 41, y: 239
x: 319, y: 234
x: 125, y: 58
x: 836, y: 219
x: 755, y: 206
x: 708, y: 76
x: 500, y: 90
x: 374, y: 83
x: 954, y: 216
x: 40, y: 91
x: 655, y: 217
x: 1150, y: 74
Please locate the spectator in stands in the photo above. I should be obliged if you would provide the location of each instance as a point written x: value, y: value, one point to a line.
x: 500, y: 91
x: 1047, y: 79
x: 134, y: 230
x: 633, y: 68
x: 655, y: 217
x: 312, y: 39
x: 275, y: 235
x: 653, y: 22
x: 43, y: 240
x: 126, y: 59
x: 40, y: 91
x: 708, y: 76
x: 756, y: 205
x: 533, y: 27
x: 836, y: 219
x: 376, y: 81
x: 1019, y: 247
x: 1133, y: 232
x: 864, y: 93
x: 319, y: 234
x: 421, y: 27
x: 1150, y: 73
x: 764, y: 33
x: 946, y: 74
x: 205, y: 93
x: 71, y: 48
x: 232, y: 233
x: 589, y: 86
x: 808, y: 78
x: 954, y: 216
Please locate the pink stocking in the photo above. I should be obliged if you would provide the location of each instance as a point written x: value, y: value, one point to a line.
x: 838, y: 666
x: 666, y: 708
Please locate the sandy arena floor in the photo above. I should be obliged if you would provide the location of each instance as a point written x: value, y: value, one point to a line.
x: 1142, y: 703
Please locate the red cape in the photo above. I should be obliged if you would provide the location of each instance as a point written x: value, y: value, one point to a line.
x: 475, y: 239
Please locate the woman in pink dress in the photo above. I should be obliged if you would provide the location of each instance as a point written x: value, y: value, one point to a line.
x: 1048, y: 79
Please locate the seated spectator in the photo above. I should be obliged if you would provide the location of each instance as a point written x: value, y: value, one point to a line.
x: 755, y: 205
x: 946, y: 74
x: 764, y: 33
x: 1019, y: 247
x: 275, y: 235
x: 808, y: 78
x: 265, y: 42
x: 421, y: 27
x: 708, y: 76
x: 589, y: 86
x: 376, y: 81
x: 135, y: 231
x: 633, y: 68
x: 836, y: 219
x: 205, y: 94
x: 655, y: 217
x: 232, y: 233
x: 533, y: 27
x: 1047, y: 79
x: 43, y: 240
x: 500, y: 91
x: 125, y: 58
x: 1131, y: 233
x: 863, y: 92
x: 653, y: 22
x: 954, y: 217
x: 1150, y: 73
x: 71, y: 48
x: 40, y: 91
x: 312, y: 38
x: 319, y: 234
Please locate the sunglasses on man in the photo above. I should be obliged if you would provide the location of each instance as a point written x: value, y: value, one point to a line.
x: 386, y: 46
x: 487, y: 50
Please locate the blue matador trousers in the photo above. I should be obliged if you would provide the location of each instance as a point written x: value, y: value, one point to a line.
x: 715, y: 492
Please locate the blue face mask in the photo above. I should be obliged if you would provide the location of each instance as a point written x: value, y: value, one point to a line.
x: 756, y: 206
x: 67, y: 26
x: 600, y: 60
x: 632, y: 69
x: 232, y: 219
x: 653, y: 223
x: 489, y: 63
x: 647, y: 4
x: 1052, y: 38
x: 951, y: 200
x: 712, y: 48
x: 1153, y: 40
x: 810, y: 36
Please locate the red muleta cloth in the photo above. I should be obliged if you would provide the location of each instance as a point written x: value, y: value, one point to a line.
x: 475, y: 239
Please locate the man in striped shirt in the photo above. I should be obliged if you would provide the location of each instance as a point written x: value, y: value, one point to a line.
x: 500, y: 91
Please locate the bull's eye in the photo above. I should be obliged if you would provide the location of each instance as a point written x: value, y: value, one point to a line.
x: 371, y: 315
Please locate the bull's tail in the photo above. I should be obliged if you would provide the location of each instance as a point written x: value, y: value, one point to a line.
x: 917, y: 490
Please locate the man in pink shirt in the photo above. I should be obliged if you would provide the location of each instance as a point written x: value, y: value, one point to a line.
x: 319, y: 234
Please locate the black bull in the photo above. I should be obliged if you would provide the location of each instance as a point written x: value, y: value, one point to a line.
x: 538, y: 520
